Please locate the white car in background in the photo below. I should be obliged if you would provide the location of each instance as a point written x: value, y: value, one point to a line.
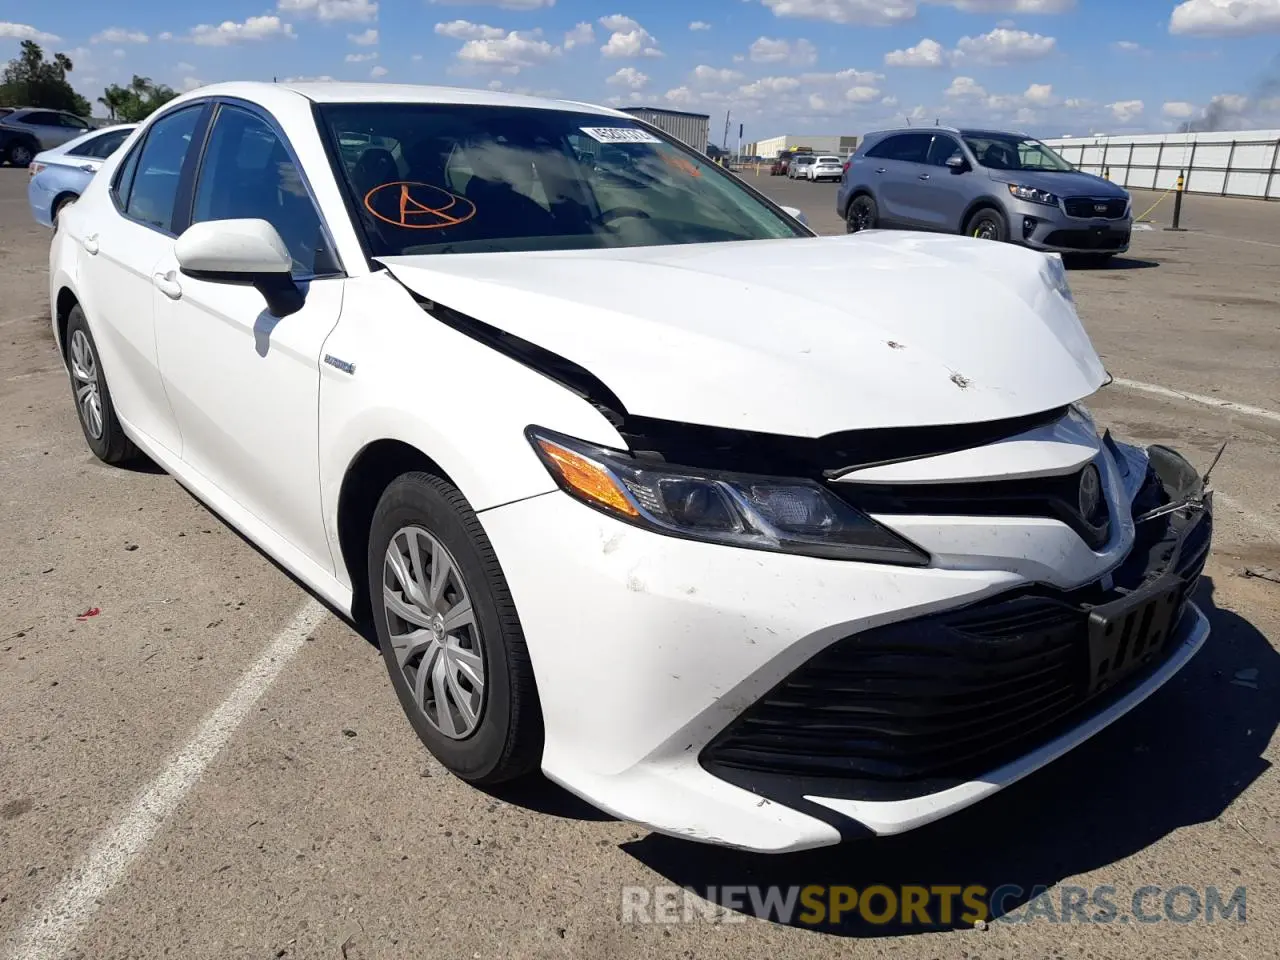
x: 640, y: 482
x: 824, y: 168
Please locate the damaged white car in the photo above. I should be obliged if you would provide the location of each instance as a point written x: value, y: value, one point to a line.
x: 747, y: 535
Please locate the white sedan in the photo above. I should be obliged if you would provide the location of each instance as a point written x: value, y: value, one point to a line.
x: 825, y: 168
x: 750, y: 536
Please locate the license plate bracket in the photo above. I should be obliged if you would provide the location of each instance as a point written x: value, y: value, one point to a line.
x: 1130, y: 632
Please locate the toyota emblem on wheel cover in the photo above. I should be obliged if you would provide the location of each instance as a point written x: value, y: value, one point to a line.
x: 1090, y: 492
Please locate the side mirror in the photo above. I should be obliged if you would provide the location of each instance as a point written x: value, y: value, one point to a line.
x: 241, y: 251
x: 797, y: 213
x: 957, y: 163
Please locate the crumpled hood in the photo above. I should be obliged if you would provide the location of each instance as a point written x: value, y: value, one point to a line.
x: 1073, y: 184
x: 800, y: 337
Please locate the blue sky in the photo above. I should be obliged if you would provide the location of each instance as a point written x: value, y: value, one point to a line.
x: 834, y: 66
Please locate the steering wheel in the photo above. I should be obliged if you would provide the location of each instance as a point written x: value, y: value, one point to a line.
x: 617, y: 213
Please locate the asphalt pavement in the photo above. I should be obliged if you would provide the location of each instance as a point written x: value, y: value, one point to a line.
x: 211, y: 765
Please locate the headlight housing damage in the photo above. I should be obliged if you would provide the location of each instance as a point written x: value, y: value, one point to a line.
x: 1033, y: 194
x: 797, y: 516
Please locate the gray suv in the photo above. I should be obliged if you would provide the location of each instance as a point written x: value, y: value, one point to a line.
x: 28, y: 130
x: 986, y: 184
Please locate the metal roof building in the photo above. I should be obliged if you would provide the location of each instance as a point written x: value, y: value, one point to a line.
x: 692, y: 128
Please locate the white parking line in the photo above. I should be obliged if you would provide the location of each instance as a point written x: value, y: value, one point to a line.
x: 55, y: 926
x: 1159, y: 391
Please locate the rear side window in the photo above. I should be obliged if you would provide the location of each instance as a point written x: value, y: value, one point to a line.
x: 909, y: 147
x: 40, y: 118
x: 153, y: 186
x: 101, y: 146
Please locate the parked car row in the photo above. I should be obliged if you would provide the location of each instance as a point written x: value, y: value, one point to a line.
x: 988, y: 184
x: 757, y: 583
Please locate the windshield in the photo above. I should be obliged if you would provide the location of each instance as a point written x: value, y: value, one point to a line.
x: 449, y: 178
x: 1007, y: 152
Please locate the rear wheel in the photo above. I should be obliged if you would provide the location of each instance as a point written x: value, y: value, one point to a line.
x: 861, y: 215
x: 987, y: 224
x: 102, y: 430
x: 449, y: 633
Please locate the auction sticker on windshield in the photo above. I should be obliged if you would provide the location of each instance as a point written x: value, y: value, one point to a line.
x: 619, y: 135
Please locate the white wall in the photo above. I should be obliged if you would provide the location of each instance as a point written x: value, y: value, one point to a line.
x: 1240, y: 163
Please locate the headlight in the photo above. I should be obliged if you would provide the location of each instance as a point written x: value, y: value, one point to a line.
x: 741, y: 510
x: 1033, y: 194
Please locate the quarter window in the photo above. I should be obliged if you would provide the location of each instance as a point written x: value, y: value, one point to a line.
x: 248, y: 174
x: 153, y: 185
x: 908, y: 147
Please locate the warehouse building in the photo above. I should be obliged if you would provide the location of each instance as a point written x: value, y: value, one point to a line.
x: 692, y: 128
x: 839, y: 144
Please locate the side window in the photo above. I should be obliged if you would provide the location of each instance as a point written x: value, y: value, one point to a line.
x: 248, y: 174
x: 154, y: 187
x: 911, y: 147
x: 942, y: 149
x: 67, y: 120
x: 100, y: 147
x: 41, y: 118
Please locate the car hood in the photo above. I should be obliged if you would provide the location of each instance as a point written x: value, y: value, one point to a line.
x: 1067, y: 184
x: 800, y: 337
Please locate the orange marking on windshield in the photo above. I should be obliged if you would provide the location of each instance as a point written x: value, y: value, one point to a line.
x: 402, y: 208
x: 681, y: 163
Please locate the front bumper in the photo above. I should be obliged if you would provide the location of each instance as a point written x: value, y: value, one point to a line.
x: 1050, y: 229
x: 649, y: 651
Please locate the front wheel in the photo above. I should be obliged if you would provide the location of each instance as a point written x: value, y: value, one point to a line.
x: 20, y: 155
x: 987, y: 224
x: 861, y: 215
x: 449, y: 633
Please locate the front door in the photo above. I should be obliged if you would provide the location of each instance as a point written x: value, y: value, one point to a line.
x: 245, y: 384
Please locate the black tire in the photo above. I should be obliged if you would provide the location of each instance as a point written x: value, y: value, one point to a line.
x: 506, y: 742
x: 987, y: 223
x: 58, y: 206
x: 861, y: 214
x: 20, y: 154
x: 105, y: 436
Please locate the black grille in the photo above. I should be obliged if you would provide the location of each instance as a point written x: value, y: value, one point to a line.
x: 1096, y: 239
x: 1087, y: 208
x: 915, y: 707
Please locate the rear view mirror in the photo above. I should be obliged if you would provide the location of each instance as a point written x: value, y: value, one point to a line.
x: 241, y: 251
x: 957, y: 162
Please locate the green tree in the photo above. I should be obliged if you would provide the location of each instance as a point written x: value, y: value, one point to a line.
x: 137, y: 101
x: 29, y: 80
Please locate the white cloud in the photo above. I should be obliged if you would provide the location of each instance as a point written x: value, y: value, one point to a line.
x: 361, y: 57
x: 1039, y: 94
x: 699, y: 25
x: 323, y: 78
x: 118, y: 53
x: 1003, y: 45
x: 1127, y: 46
x: 1225, y: 17
x: 964, y: 88
x: 330, y: 10
x: 582, y: 33
x: 679, y: 95
x: 873, y: 13
x: 628, y: 38
x: 229, y: 31
x: 628, y: 77
x: 716, y: 74
x: 166, y: 35
x: 852, y: 75
x: 510, y: 54
x: 366, y: 39
x: 1077, y: 103
x: 466, y: 30
x: 926, y: 53
x: 1010, y: 6
x: 862, y: 94
x: 800, y: 52
x: 889, y: 101
x: 768, y: 86
x: 378, y: 72
x: 504, y: 4
x: 21, y: 31
x: 119, y: 35
x: 1178, y: 110
x: 1230, y: 102
x: 1126, y: 110
x: 184, y: 67
x: 190, y: 83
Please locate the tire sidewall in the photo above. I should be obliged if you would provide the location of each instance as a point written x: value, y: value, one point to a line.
x: 853, y: 204
x: 988, y: 213
x: 101, y: 446
x: 409, y: 501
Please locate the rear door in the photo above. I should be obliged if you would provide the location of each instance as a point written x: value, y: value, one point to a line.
x: 896, y: 163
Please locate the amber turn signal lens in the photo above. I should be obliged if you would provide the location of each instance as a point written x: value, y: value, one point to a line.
x: 589, y: 479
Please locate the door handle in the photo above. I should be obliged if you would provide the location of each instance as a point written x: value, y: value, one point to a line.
x: 88, y: 168
x: 924, y: 176
x: 90, y: 244
x: 167, y: 285
x: 882, y: 170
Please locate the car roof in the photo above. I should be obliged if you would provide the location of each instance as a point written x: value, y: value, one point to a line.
x: 342, y: 92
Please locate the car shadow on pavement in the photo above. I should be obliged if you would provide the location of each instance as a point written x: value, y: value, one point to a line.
x: 1179, y: 759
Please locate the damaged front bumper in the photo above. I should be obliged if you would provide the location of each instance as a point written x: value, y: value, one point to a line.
x: 761, y: 700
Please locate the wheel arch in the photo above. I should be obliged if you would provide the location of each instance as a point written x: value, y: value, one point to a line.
x: 985, y: 201
x: 62, y: 307
x: 59, y: 200
x: 854, y: 194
